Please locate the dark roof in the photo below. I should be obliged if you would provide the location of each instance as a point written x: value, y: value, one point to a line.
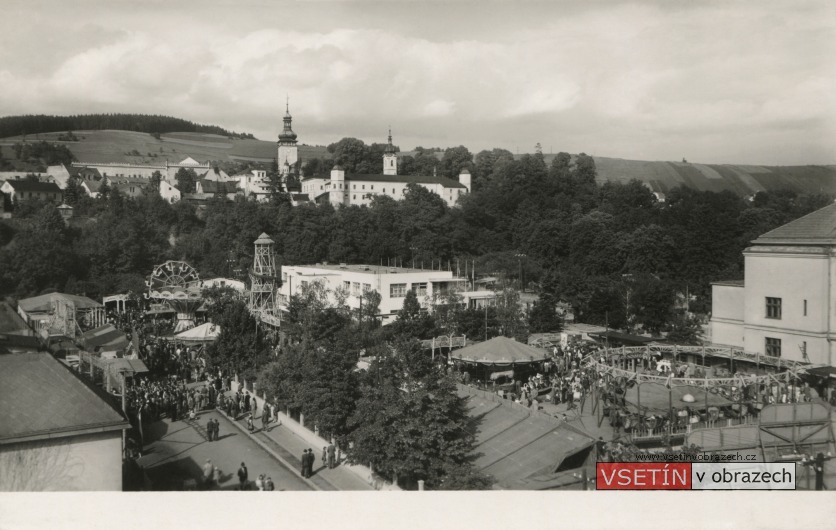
x: 11, y: 343
x: 731, y: 283
x: 444, y: 181
x: 105, y: 337
x: 815, y: 228
x: 212, y: 186
x: 41, y: 398
x: 35, y: 186
x: 10, y: 321
x: 300, y: 196
x: 514, y: 443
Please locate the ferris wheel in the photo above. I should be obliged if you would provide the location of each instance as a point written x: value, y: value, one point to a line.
x: 177, y: 284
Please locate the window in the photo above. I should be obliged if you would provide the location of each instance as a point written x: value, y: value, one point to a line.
x: 355, y: 288
x: 346, y: 285
x: 773, y: 308
x: 367, y: 287
x: 397, y: 290
x: 805, y: 308
x: 364, y: 186
x: 372, y: 186
x: 420, y: 289
x: 773, y: 347
x: 354, y: 197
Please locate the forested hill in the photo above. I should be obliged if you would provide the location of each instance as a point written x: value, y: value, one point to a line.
x: 41, y: 123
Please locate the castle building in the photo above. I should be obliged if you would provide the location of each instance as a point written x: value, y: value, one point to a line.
x: 360, y: 189
x: 785, y: 306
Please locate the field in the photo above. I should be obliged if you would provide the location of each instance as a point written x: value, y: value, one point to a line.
x: 743, y: 180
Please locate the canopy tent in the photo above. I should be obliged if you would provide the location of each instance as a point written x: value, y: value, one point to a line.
x: 199, y: 335
x: 499, y: 351
x: 105, y: 338
x: 654, y: 397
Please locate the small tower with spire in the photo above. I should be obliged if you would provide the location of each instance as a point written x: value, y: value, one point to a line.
x: 288, y: 152
x: 390, y: 158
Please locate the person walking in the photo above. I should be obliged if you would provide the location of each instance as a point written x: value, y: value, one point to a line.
x: 332, y: 453
x: 208, y: 474
x: 324, y: 456
x: 265, y: 416
x: 216, y: 427
x: 268, y: 484
x: 304, y: 462
x: 210, y: 429
x: 242, y: 476
x: 250, y: 426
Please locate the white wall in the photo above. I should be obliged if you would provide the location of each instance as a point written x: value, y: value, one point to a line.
x: 82, y: 463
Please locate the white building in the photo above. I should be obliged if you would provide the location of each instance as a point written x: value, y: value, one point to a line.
x: 785, y: 306
x: 168, y: 192
x: 254, y: 185
x: 391, y: 282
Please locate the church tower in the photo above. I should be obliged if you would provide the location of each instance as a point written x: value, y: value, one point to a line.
x: 390, y: 159
x: 288, y: 155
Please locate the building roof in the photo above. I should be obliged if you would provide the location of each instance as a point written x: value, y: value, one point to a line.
x: 93, y: 185
x: 10, y: 321
x: 730, y: 283
x: 34, y: 186
x: 367, y: 269
x: 41, y: 398
x: 215, y: 186
x: 408, y: 179
x: 514, y: 443
x: 816, y: 228
x: 447, y: 183
x: 499, y: 351
x: 299, y: 197
x: 11, y: 343
x: 44, y: 302
x: 105, y: 337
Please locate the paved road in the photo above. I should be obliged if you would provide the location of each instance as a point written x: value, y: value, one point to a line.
x: 175, y: 452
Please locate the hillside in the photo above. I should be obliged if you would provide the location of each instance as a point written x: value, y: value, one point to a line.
x: 118, y: 146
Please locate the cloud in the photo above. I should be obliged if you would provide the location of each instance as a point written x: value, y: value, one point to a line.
x: 625, y: 79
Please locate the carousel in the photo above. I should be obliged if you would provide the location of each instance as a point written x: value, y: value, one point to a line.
x: 176, y: 285
x: 663, y: 392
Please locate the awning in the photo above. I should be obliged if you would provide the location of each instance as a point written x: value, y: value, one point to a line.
x: 105, y: 337
x: 201, y: 334
x: 822, y: 371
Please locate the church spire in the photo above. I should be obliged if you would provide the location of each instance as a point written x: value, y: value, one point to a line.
x: 390, y: 149
x: 287, y: 136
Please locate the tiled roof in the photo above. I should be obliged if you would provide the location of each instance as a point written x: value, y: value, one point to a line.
x: 815, y: 228
x: 40, y: 397
x: 44, y: 302
x: 34, y: 186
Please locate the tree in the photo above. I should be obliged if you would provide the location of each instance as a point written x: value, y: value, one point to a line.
x: 73, y: 192
x: 456, y: 159
x: 543, y: 317
x: 410, y: 425
x: 156, y: 179
x: 240, y: 348
x: 186, y: 180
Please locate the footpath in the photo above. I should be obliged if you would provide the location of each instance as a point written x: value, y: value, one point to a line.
x: 286, y: 444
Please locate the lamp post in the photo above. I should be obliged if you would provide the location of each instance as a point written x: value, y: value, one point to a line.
x: 520, y: 257
x: 413, y: 249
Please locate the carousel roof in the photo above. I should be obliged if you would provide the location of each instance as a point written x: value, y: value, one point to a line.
x: 500, y: 351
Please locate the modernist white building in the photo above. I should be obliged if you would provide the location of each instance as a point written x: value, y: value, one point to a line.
x: 786, y: 305
x: 391, y: 282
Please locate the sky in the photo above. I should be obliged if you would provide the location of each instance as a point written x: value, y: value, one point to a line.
x: 711, y: 81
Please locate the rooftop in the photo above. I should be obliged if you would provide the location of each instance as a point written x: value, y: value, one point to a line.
x: 730, y: 283
x: 34, y: 186
x: 444, y: 181
x: 816, y: 228
x: 10, y: 321
x: 70, y: 406
x: 367, y: 269
x: 44, y: 302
